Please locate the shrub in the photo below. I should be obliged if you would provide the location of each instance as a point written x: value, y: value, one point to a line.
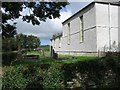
x: 53, y: 78
x: 8, y: 57
x: 102, y: 73
x: 32, y: 76
x: 21, y: 77
x: 13, y: 78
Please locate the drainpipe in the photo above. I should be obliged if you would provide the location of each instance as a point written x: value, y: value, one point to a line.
x: 109, y: 23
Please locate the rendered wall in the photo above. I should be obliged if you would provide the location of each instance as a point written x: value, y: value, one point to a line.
x: 119, y: 28
x: 107, y: 27
x: 101, y: 32
x: 89, y: 45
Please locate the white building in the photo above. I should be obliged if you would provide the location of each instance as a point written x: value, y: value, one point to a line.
x: 93, y: 29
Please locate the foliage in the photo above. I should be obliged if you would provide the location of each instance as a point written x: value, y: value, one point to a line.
x: 8, y: 57
x: 38, y: 11
x: 22, y: 77
x: 13, y: 78
x: 59, y: 35
x: 49, y: 74
x: 102, y: 73
x: 9, y: 44
x: 8, y: 30
x: 32, y: 76
x: 28, y: 42
x: 53, y: 78
x: 24, y: 41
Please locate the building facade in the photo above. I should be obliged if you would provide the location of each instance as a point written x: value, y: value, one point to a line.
x: 94, y: 29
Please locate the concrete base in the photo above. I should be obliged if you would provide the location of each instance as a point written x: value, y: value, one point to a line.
x: 78, y: 53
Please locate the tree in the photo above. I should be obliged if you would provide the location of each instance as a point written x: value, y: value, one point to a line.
x: 28, y: 42
x: 8, y: 30
x: 37, y: 11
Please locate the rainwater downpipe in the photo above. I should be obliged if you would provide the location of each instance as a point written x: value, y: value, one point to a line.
x: 109, y: 23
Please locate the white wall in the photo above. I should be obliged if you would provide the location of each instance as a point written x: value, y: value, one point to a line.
x: 89, y: 44
x: 96, y: 31
x: 119, y: 28
x: 106, y: 19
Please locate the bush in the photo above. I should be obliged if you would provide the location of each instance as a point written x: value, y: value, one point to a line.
x: 102, y: 73
x: 32, y: 76
x: 13, y: 78
x: 53, y: 78
x: 21, y: 77
x: 8, y: 57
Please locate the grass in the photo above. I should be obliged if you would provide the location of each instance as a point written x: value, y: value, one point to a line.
x: 78, y: 58
x: 82, y: 58
x: 33, y: 53
x: 62, y: 59
x: 41, y: 54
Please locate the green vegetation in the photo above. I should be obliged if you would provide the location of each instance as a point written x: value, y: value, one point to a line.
x: 61, y: 75
x: 63, y: 59
x: 11, y: 46
x: 20, y: 41
x: 68, y: 72
x: 50, y: 10
x: 34, y: 53
x: 32, y: 76
x: 72, y: 59
x: 45, y: 47
x: 8, y: 57
x: 27, y: 41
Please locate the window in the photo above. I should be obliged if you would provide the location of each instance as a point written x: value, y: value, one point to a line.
x: 68, y: 33
x: 60, y: 42
x: 54, y: 44
x: 81, y: 29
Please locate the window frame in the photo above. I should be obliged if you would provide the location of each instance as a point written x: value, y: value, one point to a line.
x: 81, y: 29
x: 68, y: 39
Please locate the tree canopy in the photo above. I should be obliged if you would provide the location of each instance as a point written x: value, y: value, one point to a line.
x: 38, y: 11
x: 24, y: 41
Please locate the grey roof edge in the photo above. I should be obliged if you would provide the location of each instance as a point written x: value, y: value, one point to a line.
x: 96, y: 1
x: 77, y: 12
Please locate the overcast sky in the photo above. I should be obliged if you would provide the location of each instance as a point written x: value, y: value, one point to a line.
x: 46, y: 29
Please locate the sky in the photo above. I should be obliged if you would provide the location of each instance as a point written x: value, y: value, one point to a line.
x: 47, y: 29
